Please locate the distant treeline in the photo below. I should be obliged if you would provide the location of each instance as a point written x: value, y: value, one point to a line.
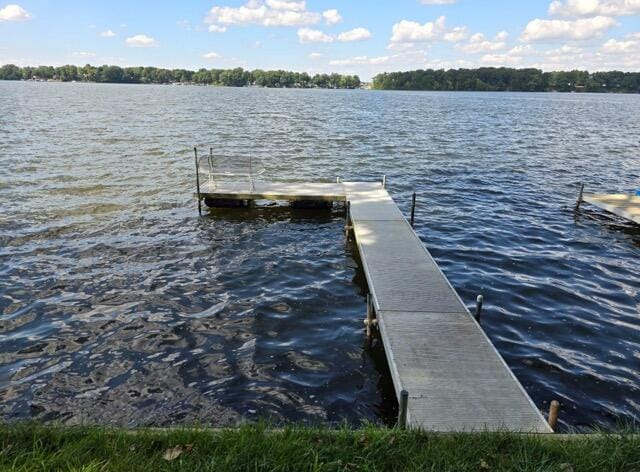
x: 507, y: 79
x: 152, y: 75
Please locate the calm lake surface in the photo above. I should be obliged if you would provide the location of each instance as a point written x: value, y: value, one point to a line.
x: 119, y: 305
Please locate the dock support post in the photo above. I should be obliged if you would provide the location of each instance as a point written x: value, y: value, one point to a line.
x: 195, y: 152
x: 553, y: 414
x: 479, y: 302
x: 384, y: 181
x: 402, y: 410
x: 370, y: 321
x: 579, y: 201
x: 413, y: 208
x: 347, y: 222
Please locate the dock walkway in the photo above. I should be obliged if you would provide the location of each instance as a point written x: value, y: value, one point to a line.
x: 435, y: 349
x: 624, y: 205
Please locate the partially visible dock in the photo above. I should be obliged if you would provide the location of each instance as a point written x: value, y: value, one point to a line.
x: 437, y: 352
x: 623, y: 205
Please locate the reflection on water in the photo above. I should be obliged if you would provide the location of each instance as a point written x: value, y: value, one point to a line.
x: 119, y: 305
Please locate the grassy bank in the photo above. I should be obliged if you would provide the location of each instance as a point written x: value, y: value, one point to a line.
x: 34, y: 447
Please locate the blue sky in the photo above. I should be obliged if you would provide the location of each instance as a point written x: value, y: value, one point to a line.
x: 354, y: 36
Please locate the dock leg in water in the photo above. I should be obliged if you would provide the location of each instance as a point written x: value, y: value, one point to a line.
x: 195, y: 151
x: 413, y: 208
x: 347, y: 224
x: 479, y: 302
x: 553, y: 414
x: 579, y: 201
x: 370, y: 322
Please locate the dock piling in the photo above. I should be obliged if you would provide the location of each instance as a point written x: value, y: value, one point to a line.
x: 479, y: 302
x: 402, y: 409
x: 384, y: 181
x: 413, y: 208
x: 579, y: 201
x: 554, y: 407
x: 347, y: 222
x: 370, y: 321
x: 195, y: 152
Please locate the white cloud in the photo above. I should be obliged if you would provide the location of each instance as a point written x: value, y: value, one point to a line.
x: 316, y: 55
x: 331, y: 17
x: 500, y: 60
x: 457, y: 34
x: 140, y: 41
x: 107, y: 34
x: 585, y: 28
x: 413, y: 32
x: 83, y: 54
x: 13, y: 12
x: 360, y: 60
x: 268, y: 13
x: 286, y: 5
x: 437, y: 2
x: 357, y: 34
x: 613, y: 46
x: 211, y: 56
x: 594, y: 7
x: 308, y: 35
x: 478, y: 43
x: 217, y: 29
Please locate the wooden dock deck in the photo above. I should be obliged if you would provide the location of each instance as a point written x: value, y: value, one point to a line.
x: 435, y: 349
x: 624, y: 205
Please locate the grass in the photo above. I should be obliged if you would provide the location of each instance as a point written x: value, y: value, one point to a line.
x: 27, y: 447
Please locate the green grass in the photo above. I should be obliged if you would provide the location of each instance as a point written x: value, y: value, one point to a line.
x: 256, y: 448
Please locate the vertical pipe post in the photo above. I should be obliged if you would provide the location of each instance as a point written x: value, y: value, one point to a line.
x: 402, y: 410
x: 369, y: 321
x: 479, y: 302
x: 347, y: 222
x: 413, y: 208
x: 579, y: 201
x: 554, y: 407
x: 195, y: 152
x: 384, y: 181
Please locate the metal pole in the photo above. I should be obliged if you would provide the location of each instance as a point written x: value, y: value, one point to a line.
x: 580, y: 196
x: 413, y: 208
x: 479, y: 302
x: 384, y: 181
x: 347, y: 225
x: 195, y: 152
x: 369, y: 322
x: 553, y: 414
x: 402, y: 410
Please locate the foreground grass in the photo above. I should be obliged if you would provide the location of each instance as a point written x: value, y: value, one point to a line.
x: 35, y: 447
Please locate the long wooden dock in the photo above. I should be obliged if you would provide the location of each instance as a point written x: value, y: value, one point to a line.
x: 623, y: 205
x: 436, y: 351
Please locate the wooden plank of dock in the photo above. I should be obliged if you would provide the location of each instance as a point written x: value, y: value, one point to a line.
x: 624, y: 205
x: 456, y: 379
x: 435, y: 349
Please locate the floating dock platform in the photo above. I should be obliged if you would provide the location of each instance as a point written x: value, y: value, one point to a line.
x: 623, y: 205
x: 437, y: 352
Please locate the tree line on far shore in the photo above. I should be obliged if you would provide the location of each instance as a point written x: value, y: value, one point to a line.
x: 508, y: 79
x: 237, y: 77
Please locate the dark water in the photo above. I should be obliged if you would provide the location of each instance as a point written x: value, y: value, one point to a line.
x: 119, y: 305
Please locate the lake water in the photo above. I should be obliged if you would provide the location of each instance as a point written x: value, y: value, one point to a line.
x: 119, y: 305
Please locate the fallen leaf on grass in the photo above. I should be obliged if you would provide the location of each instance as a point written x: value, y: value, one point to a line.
x: 172, y: 453
x: 566, y: 467
x: 484, y: 465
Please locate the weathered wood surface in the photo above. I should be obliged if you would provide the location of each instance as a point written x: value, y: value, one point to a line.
x: 436, y: 351
x: 624, y: 205
x: 241, y: 190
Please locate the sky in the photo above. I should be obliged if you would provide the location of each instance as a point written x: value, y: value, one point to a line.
x: 345, y: 36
